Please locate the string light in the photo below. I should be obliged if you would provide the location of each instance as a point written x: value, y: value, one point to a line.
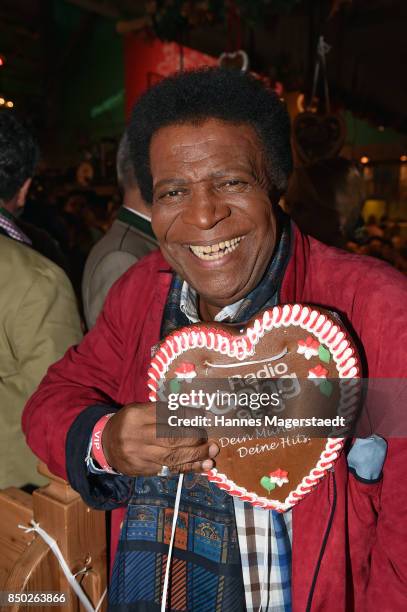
x: 364, y: 160
x: 403, y: 158
x: 9, y: 104
x: 2, y: 101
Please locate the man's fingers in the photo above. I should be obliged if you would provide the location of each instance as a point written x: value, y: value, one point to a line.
x: 178, y: 459
x: 151, y: 469
x: 161, y: 435
x: 133, y: 447
x: 197, y: 466
x: 174, y: 456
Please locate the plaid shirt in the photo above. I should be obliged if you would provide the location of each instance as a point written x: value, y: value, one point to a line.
x: 265, y: 550
x: 7, y: 223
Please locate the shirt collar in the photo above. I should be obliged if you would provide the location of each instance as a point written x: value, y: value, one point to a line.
x: 189, y: 306
x: 139, y: 214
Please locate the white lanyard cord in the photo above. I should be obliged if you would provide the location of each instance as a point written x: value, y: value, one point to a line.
x: 171, y: 546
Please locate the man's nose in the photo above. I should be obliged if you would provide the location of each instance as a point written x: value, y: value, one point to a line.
x: 205, y: 209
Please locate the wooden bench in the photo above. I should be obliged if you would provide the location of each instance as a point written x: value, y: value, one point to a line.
x: 26, y: 562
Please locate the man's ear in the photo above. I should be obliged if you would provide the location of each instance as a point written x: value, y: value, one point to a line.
x: 22, y: 193
x: 282, y: 203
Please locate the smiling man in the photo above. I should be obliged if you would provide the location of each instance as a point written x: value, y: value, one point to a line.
x: 210, y: 187
x: 212, y: 155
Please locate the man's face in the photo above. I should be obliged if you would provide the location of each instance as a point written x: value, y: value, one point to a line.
x: 211, y: 212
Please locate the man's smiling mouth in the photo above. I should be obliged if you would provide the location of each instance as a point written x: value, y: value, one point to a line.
x: 215, y: 251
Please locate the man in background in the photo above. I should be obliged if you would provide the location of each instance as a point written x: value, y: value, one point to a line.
x: 19, y: 155
x: 127, y: 241
x: 39, y: 321
x: 18, y: 158
x: 39, y: 318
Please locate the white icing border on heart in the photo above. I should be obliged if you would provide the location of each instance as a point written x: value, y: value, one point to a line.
x: 309, y: 319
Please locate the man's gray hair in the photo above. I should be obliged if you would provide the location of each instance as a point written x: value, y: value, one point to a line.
x: 124, y: 165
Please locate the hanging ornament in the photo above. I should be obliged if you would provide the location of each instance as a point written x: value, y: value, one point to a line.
x: 318, y: 136
x: 238, y: 59
x: 234, y: 57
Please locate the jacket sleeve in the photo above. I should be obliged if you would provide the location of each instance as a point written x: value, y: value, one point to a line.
x: 88, y: 375
x: 101, y: 491
x: 45, y: 325
x: 387, y: 588
x: 106, y: 273
x: 386, y: 344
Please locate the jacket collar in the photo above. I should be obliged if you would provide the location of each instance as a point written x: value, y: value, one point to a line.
x: 132, y: 218
x: 293, y: 283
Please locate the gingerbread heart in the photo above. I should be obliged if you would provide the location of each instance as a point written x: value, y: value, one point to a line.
x: 317, y: 137
x: 308, y: 364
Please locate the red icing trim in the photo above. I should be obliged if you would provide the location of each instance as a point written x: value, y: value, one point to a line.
x: 307, y: 318
x: 289, y: 312
x: 279, y: 314
x: 314, y: 321
x: 326, y: 334
x: 322, y: 324
x: 344, y: 349
x: 336, y: 341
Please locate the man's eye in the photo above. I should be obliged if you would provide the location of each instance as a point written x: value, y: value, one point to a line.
x: 233, y: 184
x: 174, y: 193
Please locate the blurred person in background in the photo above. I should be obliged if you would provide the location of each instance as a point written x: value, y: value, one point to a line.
x: 38, y: 314
x: 19, y: 155
x: 129, y: 238
x: 325, y: 200
x: 95, y: 214
x: 80, y: 214
x: 372, y: 228
x: 39, y: 321
x: 384, y: 249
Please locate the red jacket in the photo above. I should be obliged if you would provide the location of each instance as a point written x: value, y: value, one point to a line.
x: 356, y: 555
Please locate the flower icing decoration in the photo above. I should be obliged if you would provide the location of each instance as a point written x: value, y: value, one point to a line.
x: 318, y: 376
x: 279, y: 477
x: 317, y: 373
x: 186, y: 370
x: 308, y: 347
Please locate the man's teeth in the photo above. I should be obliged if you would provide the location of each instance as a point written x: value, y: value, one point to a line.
x: 216, y: 251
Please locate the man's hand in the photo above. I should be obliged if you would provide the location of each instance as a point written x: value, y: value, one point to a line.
x: 131, y: 446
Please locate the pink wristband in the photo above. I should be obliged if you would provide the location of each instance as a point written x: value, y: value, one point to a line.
x: 97, y: 448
